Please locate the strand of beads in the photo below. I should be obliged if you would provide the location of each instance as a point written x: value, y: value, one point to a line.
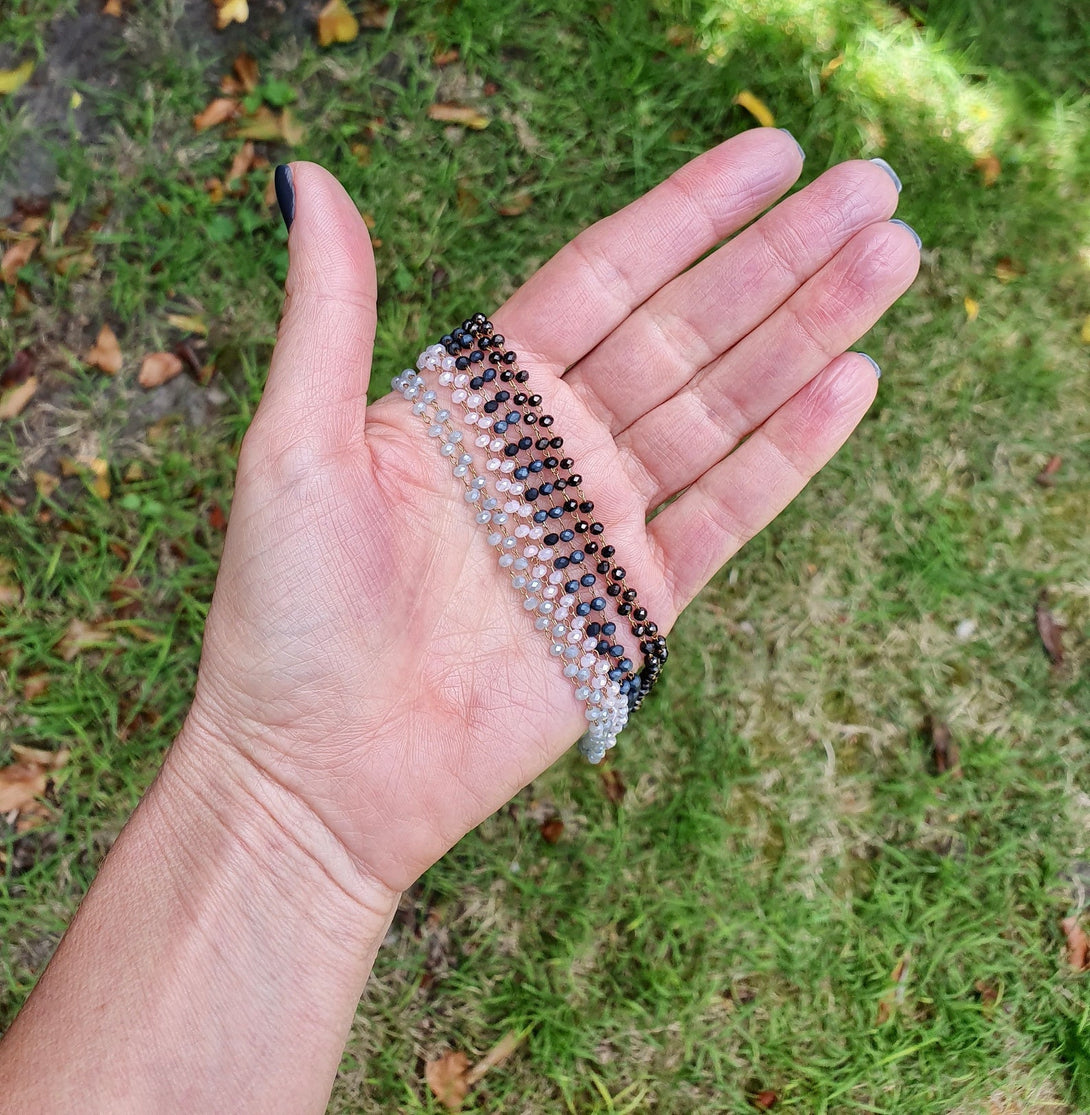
x: 606, y: 708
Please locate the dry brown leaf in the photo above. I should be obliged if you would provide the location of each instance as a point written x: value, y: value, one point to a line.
x: 552, y: 830
x: 291, y: 128
x: 445, y: 57
x: 158, y: 368
x: 336, y: 24
x: 765, y: 1100
x: 246, y: 70
x: 12, y: 402
x: 48, y: 760
x: 19, y: 370
x: 516, y: 205
x: 15, y: 257
x: 756, y: 108
x: 10, y: 80
x: 112, y: 7
x: 45, y: 482
x: 20, y: 784
x: 1052, y: 466
x: 80, y: 636
x: 1007, y: 270
x: 1049, y: 630
x: 447, y: 112
x: 495, y: 1056
x: 105, y: 354
x: 612, y: 784
x: 895, y: 996
x: 446, y: 1077
x: 989, y: 167
x: 217, y: 111
x: 242, y: 162
x: 231, y: 11
x: 100, y: 472
x: 214, y: 188
x: 34, y: 686
x: 944, y: 751
x: 264, y: 126
x: 1078, y: 945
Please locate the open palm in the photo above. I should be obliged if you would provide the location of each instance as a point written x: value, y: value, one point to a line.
x: 364, y: 649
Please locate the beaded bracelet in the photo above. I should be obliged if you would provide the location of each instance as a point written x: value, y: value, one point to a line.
x: 486, y: 383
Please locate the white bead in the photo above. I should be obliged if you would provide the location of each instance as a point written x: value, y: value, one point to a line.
x: 471, y: 495
x: 556, y: 650
x: 510, y: 544
x: 502, y: 485
x: 521, y: 563
x: 447, y: 449
x: 530, y: 603
x: 474, y: 401
x: 470, y: 418
x: 446, y: 379
x: 483, y: 517
x: 570, y: 670
x: 521, y: 530
x: 492, y: 464
x: 478, y: 482
x: 531, y: 549
x: 567, y: 600
x: 546, y: 554
x: 571, y: 652
x: 582, y: 675
x: 586, y: 660
x: 455, y: 436
x: 429, y: 396
x: 434, y: 431
x: 497, y: 444
x: 546, y: 607
x: 460, y: 470
x: 559, y: 631
x: 575, y: 637
x: 541, y: 623
x: 465, y: 459
x: 555, y: 577
x: 505, y: 561
x: 518, y: 581
x: 536, y: 531
x: 481, y: 441
x: 500, y: 517
x: 517, y: 487
x: 419, y: 407
x: 526, y: 510
x: 540, y: 570
x: 458, y: 396
x: 589, y: 644
x: 495, y: 538
x: 512, y: 505
x: 461, y: 379
x: 535, y: 584
x: 579, y: 621
x: 490, y: 504
x: 582, y: 693
x: 508, y: 465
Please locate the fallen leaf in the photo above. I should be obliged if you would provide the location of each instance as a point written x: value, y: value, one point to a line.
x: 756, y: 108
x: 13, y: 401
x: 266, y: 126
x: 47, y: 760
x: 1078, y: 945
x: 516, y: 205
x: 944, y: 751
x: 20, y: 784
x: 214, y: 188
x: 10, y: 80
x: 1052, y: 466
x: 243, y: 160
x: 612, y: 784
x: 216, y: 112
x: 112, y: 7
x: 989, y: 167
x: 158, y: 368
x: 895, y: 996
x: 34, y: 686
x: 552, y: 830
x: 291, y: 128
x: 16, y: 257
x: 19, y: 370
x: 10, y: 595
x: 972, y: 308
x: 1007, y: 270
x: 1049, y: 630
x: 125, y: 594
x: 495, y: 1056
x: 336, y: 24
x: 105, y: 353
x: 446, y: 1077
x: 188, y: 323
x: 447, y: 112
x: 246, y: 70
x: 45, y: 482
x: 988, y: 992
x: 80, y: 636
x: 231, y: 11
x: 765, y: 1100
x: 445, y: 57
x: 832, y: 66
x: 1084, y: 332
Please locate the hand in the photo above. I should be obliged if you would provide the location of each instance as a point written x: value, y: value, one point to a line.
x: 363, y: 648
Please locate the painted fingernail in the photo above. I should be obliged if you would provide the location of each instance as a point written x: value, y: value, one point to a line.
x: 914, y: 234
x: 889, y: 170
x: 285, y: 193
x: 802, y: 154
x: 873, y: 363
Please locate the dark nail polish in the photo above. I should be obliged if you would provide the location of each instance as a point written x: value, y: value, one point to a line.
x: 915, y: 235
x: 285, y: 193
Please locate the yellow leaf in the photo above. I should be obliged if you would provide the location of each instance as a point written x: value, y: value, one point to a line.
x: 105, y: 354
x: 113, y: 7
x: 75, y: 100
x: 448, y: 113
x: 336, y: 24
x: 157, y: 368
x: 100, y: 485
x: 13, y: 401
x: 972, y: 308
x: 10, y: 80
x: 832, y: 66
x: 232, y: 11
x: 756, y: 108
x: 188, y: 323
x: 45, y: 482
x: 1084, y: 333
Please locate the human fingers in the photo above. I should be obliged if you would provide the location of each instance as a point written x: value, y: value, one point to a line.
x: 679, y: 440
x: 317, y: 387
x: 691, y: 321
x: 592, y: 284
x: 696, y: 534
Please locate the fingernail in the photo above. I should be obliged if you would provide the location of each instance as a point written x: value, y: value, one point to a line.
x: 873, y: 363
x: 802, y: 153
x: 912, y: 231
x: 285, y: 193
x: 889, y: 170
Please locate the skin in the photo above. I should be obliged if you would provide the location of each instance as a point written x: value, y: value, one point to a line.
x: 368, y: 693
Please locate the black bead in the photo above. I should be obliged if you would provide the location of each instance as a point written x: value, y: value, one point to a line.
x: 587, y: 580
x: 582, y: 608
x: 613, y: 590
x: 476, y: 356
x: 602, y: 646
x: 535, y: 400
x: 625, y: 664
x: 587, y: 506
x: 531, y: 493
x: 555, y: 512
x: 525, y: 442
x: 561, y: 484
x: 551, y: 539
x: 639, y: 630
x: 488, y: 375
x: 547, y: 489
x: 565, y: 535
x: 598, y: 603
x: 615, y: 674
x: 521, y: 472
x: 608, y: 551
x: 494, y: 358
x: 571, y: 586
x: 639, y: 615
x: 540, y: 516
x: 446, y: 339
x: 561, y: 563
x: 467, y: 341
x: 453, y: 349
x: 478, y: 319
x: 498, y: 340
x: 462, y: 363
x: 520, y: 398
x: 476, y: 383
x: 500, y: 428
x: 580, y: 527
x: 536, y: 466
x: 624, y: 609
x: 486, y: 325
x: 616, y: 650
x: 542, y: 443
x: 556, y: 443
x: 550, y: 462
x: 512, y: 417
x: 577, y: 555
x: 491, y: 406
x: 509, y: 358
x: 609, y: 628
x: 594, y: 628
x: 510, y: 450
x: 596, y: 528
x: 546, y: 419
x: 531, y: 419
x: 505, y: 377
x: 653, y: 629
x: 630, y: 594
x: 502, y: 396
x: 619, y: 572
x: 570, y: 505
x: 522, y: 377
x: 566, y: 463
x: 602, y: 567
x: 575, y: 478
x: 591, y: 547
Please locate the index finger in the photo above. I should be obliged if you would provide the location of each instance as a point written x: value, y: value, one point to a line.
x: 593, y: 283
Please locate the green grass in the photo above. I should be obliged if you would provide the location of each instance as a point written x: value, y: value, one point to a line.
x: 735, y: 923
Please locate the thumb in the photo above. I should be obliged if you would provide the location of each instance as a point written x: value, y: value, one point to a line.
x: 321, y: 365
